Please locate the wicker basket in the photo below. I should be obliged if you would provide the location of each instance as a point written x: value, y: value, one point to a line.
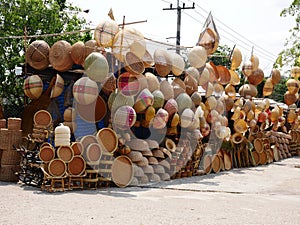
x: 77, y: 148
x: 65, y: 153
x: 10, y: 157
x: 108, y: 139
x: 46, y: 154
x: 76, y: 166
x: 37, y: 54
x: 60, y: 55
x: 10, y: 138
x: 8, y: 173
x: 93, y: 153
x: 57, y: 167
x: 134, y: 64
x: 122, y: 171
x: 42, y: 118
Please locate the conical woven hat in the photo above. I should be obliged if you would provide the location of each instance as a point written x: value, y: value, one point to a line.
x: 37, y: 54
x: 60, y: 56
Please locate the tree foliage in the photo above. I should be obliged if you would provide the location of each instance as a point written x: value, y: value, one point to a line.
x: 291, y: 54
x: 37, y: 17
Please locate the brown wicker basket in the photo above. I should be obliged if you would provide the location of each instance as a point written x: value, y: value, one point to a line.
x: 8, y: 173
x: 46, y: 153
x: 108, y: 139
x: 10, y: 157
x: 122, y: 171
x: 42, y: 118
x: 93, y: 153
x: 76, y: 166
x: 10, y: 138
x: 2, y: 123
x: 37, y: 54
x: 65, y: 153
x: 57, y: 167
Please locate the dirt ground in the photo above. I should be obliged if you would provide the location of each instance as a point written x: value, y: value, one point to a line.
x: 259, y: 195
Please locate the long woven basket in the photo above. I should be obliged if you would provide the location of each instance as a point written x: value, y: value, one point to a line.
x: 10, y: 138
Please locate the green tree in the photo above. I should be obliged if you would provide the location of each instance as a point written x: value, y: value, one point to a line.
x: 291, y: 54
x: 37, y: 17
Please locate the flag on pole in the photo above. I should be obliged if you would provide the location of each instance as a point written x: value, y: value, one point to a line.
x: 110, y: 14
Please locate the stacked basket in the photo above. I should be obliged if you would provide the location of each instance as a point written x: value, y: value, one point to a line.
x: 10, y: 138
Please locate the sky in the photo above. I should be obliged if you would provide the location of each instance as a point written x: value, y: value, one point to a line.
x: 246, y: 24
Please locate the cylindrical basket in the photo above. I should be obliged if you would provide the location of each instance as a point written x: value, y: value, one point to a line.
x: 46, y: 153
x: 10, y: 138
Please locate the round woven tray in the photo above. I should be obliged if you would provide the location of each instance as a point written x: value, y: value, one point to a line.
x: 122, y: 171
x: 65, y: 153
x: 46, y: 153
x: 108, y: 139
x: 42, y: 118
x: 77, y: 166
x: 93, y: 152
x: 57, y: 167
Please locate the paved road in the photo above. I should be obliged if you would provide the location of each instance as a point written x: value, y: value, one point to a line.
x: 259, y: 195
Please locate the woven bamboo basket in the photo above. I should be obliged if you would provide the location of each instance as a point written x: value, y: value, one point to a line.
x: 93, y: 153
x: 14, y: 123
x: 65, y: 153
x: 122, y: 171
x: 42, y: 118
x: 76, y: 166
x: 134, y: 64
x: 10, y: 157
x: 77, y: 148
x: 57, y: 167
x: 2, y: 123
x: 46, y: 153
x: 108, y: 139
x: 10, y: 138
x: 8, y: 173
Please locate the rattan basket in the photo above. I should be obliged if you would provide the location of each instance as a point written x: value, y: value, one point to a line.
x: 57, y: 167
x: 76, y: 166
x: 108, y: 139
x: 42, y: 118
x: 122, y: 171
x: 65, y: 153
x: 93, y: 153
x: 14, y: 123
x: 46, y: 153
x: 77, y: 148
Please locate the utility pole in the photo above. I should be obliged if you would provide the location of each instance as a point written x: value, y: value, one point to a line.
x: 179, y: 8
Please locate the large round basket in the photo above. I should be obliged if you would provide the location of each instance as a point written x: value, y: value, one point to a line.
x: 76, y: 166
x: 122, y: 171
x: 65, y: 153
x: 108, y: 139
x: 93, y: 112
x: 57, y: 167
x: 46, y: 153
x: 93, y: 153
x: 60, y: 56
x: 37, y: 54
x: 77, y: 148
x: 42, y: 118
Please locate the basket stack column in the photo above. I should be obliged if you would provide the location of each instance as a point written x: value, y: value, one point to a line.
x: 10, y: 137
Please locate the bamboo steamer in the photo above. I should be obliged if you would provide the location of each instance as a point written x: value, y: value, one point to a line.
x: 78, y: 52
x: 60, y: 56
x: 57, y: 168
x: 256, y: 77
x: 292, y: 86
x: 275, y: 76
x: 77, y: 166
x: 163, y: 62
x: 46, y: 153
x: 268, y: 87
x: 236, y: 58
x: 197, y: 56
